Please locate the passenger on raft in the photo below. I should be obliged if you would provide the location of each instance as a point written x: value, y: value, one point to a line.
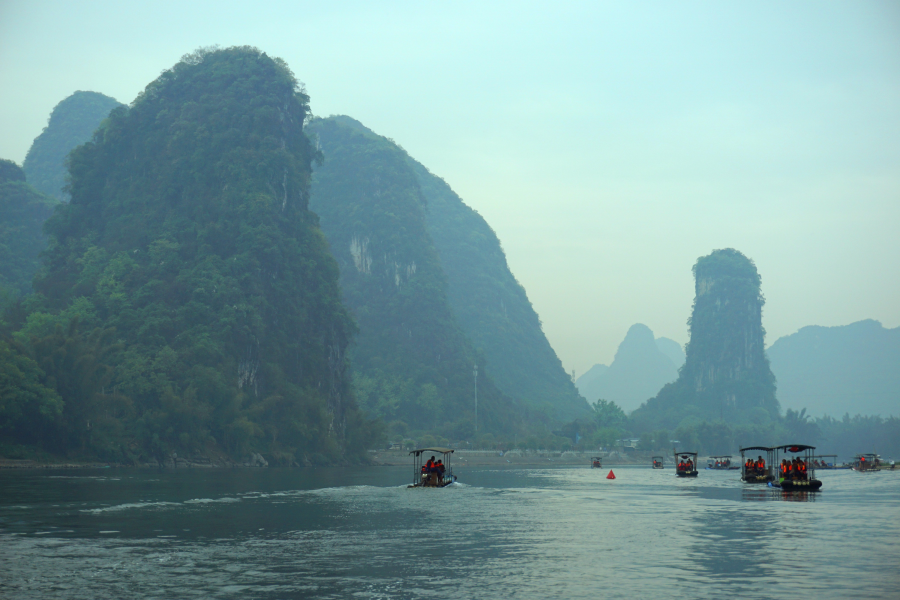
x: 794, y: 470
x: 433, y: 471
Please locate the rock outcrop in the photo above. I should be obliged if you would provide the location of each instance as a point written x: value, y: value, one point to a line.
x: 726, y: 374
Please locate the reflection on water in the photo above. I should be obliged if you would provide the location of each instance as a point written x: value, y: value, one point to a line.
x: 503, y: 533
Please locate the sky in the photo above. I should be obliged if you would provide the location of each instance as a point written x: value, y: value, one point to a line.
x: 608, y: 144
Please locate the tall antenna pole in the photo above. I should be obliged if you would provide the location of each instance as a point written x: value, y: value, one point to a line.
x: 476, y: 397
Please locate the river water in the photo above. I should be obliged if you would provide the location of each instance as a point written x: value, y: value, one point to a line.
x: 498, y: 533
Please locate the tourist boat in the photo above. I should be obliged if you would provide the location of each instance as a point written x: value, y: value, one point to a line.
x: 657, y: 462
x: 821, y: 461
x: 681, y: 458
x: 596, y: 463
x: 422, y: 478
x: 754, y: 474
x: 809, y: 483
x: 721, y: 463
x: 866, y: 463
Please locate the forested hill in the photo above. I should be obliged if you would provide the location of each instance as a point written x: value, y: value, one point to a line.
x: 188, y: 301
x: 413, y: 365
x: 491, y: 306
x: 23, y: 211
x: 72, y: 123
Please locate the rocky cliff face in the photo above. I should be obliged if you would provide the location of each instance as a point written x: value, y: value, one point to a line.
x: 491, y: 306
x: 726, y: 374
x: 411, y: 361
x: 727, y: 338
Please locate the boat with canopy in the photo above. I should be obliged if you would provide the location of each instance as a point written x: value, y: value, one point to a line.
x: 721, y: 463
x: 751, y: 469
x: 866, y: 463
x: 435, y: 474
x: 822, y: 462
x: 797, y: 472
x: 686, y: 464
x: 596, y: 462
x: 657, y: 462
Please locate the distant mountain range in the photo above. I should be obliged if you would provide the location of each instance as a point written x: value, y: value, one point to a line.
x: 642, y: 365
x: 72, y: 123
x: 835, y: 370
x: 851, y: 369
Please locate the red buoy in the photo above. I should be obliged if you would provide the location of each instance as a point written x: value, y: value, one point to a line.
x: 611, y: 475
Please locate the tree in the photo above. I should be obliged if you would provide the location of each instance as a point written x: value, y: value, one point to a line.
x: 607, y: 414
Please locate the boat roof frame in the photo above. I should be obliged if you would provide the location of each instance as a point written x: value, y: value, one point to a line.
x: 444, y: 451
x: 766, y: 448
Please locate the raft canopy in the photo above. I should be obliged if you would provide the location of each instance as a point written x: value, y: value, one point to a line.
x: 686, y: 454
x: 438, y: 450
x: 766, y: 449
x: 794, y: 448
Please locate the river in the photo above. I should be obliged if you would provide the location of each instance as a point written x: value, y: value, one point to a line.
x: 497, y: 533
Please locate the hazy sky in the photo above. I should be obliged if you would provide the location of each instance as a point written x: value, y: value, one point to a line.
x: 608, y: 144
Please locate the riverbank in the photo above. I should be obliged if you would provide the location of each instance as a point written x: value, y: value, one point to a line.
x: 516, y: 457
x: 376, y: 457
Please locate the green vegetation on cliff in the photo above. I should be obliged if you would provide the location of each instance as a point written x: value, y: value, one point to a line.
x: 23, y: 211
x: 72, y: 123
x: 412, y: 364
x: 491, y: 306
x: 188, y: 300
